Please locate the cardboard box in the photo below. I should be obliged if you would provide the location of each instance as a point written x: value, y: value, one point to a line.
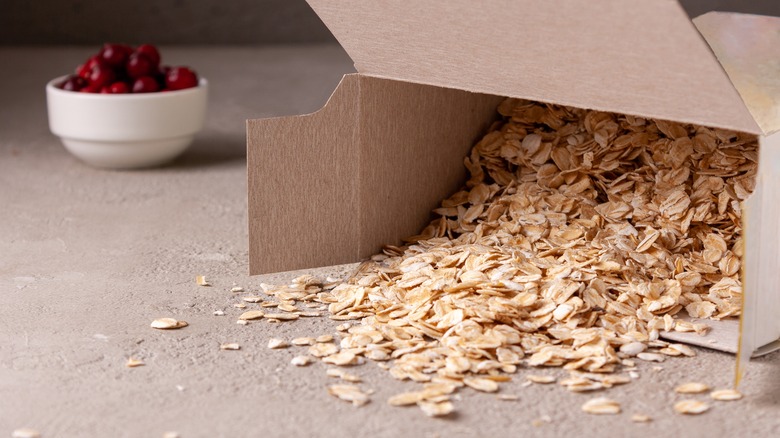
x: 366, y: 170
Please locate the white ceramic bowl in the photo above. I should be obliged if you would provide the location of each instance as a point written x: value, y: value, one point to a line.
x: 125, y: 131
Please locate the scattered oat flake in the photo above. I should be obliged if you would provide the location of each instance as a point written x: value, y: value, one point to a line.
x: 287, y: 308
x: 252, y: 299
x: 282, y: 316
x: 540, y: 379
x: 219, y: 313
x: 275, y: 343
x: 640, y: 418
x: 691, y: 388
x: 323, y: 350
x: 168, y: 324
x: 301, y: 361
x: 251, y: 314
x: 242, y: 322
x: 132, y: 363
x: 302, y: 341
x: 691, y: 407
x: 236, y: 289
x: 334, y: 372
x: 201, y: 280
x: 230, y: 346
x: 726, y: 395
x: 481, y: 384
x: 341, y: 358
x: 541, y: 421
x: 432, y: 409
x: 347, y: 377
x: 171, y: 434
x: 239, y: 305
x: 324, y: 338
x: 601, y: 406
x: 651, y: 357
x: 350, y: 393
x: 406, y: 398
x: 26, y: 432
x: 508, y: 397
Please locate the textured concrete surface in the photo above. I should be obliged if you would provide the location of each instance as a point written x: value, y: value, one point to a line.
x: 89, y: 257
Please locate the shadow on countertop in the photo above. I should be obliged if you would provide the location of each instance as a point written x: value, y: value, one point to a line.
x: 770, y: 393
x: 213, y: 149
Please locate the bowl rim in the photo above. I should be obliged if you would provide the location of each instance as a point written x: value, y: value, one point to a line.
x: 52, y: 88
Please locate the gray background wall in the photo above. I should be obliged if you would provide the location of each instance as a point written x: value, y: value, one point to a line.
x: 207, y: 21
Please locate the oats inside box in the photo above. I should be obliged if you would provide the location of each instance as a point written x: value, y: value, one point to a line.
x: 620, y: 184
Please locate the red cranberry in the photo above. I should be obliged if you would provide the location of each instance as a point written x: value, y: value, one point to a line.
x: 179, y: 78
x: 118, y: 88
x: 145, y: 84
x: 115, y: 55
x: 101, y: 76
x: 91, y: 88
x: 150, y: 52
x: 73, y: 83
x: 139, y: 65
x: 85, y: 69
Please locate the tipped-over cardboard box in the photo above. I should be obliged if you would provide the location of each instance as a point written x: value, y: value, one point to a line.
x: 366, y: 170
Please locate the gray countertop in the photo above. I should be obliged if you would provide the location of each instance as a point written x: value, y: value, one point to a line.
x: 88, y: 258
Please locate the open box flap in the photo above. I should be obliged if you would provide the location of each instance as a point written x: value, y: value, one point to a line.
x: 334, y: 186
x: 748, y: 48
x: 635, y: 57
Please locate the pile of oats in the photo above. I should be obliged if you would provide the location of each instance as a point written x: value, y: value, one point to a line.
x: 576, y: 240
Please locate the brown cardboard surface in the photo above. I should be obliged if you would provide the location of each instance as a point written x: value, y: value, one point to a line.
x: 302, y: 184
x: 334, y: 186
x: 413, y: 139
x: 748, y: 47
x: 634, y: 57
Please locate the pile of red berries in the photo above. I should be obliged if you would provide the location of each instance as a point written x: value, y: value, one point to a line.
x: 118, y: 68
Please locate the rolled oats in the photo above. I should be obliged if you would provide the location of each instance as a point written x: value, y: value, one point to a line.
x: 577, y: 239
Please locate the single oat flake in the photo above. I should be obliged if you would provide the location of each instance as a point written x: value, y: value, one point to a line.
x: 433, y: 409
x: 201, y: 280
x: 230, y: 346
x: 691, y: 407
x: 350, y: 393
x: 726, y: 395
x: 168, y: 324
x: 601, y: 406
x: 301, y: 361
x: 302, y: 341
x: 406, y: 398
x: 275, y: 343
x: 25, y: 432
x: 481, y: 384
x: 691, y: 388
x: 641, y: 418
x: 133, y: 363
x: 540, y: 379
x: 282, y: 316
x: 251, y: 314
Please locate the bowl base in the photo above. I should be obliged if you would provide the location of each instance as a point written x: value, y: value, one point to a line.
x: 127, y: 154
